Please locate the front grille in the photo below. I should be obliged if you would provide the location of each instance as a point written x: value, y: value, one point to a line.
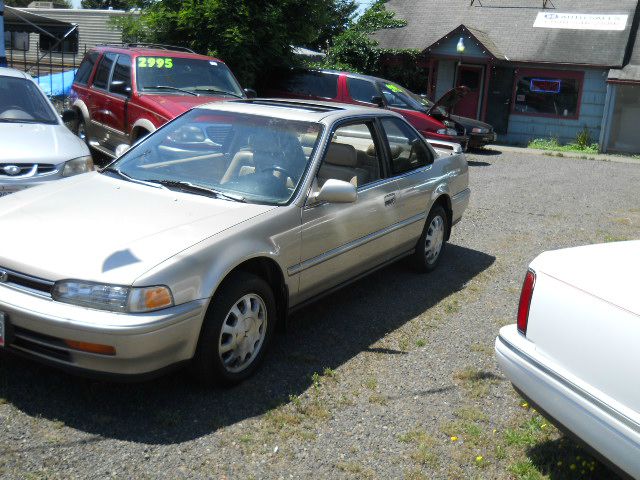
x: 31, y: 169
x: 27, y: 283
x: 33, y: 342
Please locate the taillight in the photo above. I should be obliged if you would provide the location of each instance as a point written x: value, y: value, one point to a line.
x: 525, y: 301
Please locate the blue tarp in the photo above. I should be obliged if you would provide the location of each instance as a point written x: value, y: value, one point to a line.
x: 58, y: 84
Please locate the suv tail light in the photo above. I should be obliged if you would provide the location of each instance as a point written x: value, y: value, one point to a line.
x: 525, y: 301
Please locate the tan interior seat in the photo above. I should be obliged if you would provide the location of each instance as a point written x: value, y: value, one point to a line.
x: 341, y: 163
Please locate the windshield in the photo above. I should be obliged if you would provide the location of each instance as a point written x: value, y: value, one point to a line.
x: 235, y: 156
x: 399, y: 97
x: 21, y: 101
x: 185, y: 76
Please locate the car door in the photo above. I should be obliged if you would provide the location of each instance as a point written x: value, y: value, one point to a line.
x: 115, y: 114
x: 341, y: 241
x: 101, y: 102
x: 412, y: 166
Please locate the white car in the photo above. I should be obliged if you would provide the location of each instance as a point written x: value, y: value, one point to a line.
x: 36, y: 146
x: 575, y: 350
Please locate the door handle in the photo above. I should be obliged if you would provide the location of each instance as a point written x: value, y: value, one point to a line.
x: 389, y: 199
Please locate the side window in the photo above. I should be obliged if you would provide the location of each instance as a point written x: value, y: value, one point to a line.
x: 85, y: 68
x: 312, y: 84
x: 362, y: 90
x: 352, y: 156
x: 408, y: 150
x: 122, y: 71
x: 104, y: 70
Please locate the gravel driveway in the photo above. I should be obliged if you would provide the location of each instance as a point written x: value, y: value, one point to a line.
x: 393, y: 377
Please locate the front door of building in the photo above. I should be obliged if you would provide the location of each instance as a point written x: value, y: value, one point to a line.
x: 469, y: 76
x: 499, y: 98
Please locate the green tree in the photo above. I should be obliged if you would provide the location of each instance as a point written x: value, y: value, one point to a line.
x: 106, y: 4
x: 252, y: 36
x: 354, y: 49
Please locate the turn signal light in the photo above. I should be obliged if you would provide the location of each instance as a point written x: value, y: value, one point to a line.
x: 525, y: 301
x: 91, y: 347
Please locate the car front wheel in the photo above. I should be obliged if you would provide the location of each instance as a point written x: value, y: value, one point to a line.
x: 236, y: 331
x: 432, y: 241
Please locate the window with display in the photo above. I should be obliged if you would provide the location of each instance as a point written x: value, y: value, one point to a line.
x: 548, y: 93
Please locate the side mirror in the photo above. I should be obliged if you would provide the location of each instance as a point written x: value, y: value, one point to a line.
x: 250, y: 93
x: 378, y: 101
x: 121, y: 149
x: 337, y: 191
x: 69, y: 116
x: 120, y: 87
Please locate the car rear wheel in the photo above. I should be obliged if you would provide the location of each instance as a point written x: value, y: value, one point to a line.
x: 236, y: 331
x: 432, y: 241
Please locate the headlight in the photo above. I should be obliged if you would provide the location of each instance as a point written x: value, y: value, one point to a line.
x: 77, y: 165
x: 479, y: 130
x: 447, y: 131
x: 115, y: 298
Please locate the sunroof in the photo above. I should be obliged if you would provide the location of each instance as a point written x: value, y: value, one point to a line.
x: 311, y: 107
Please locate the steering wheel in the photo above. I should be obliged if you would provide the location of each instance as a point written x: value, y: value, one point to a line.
x: 276, y: 168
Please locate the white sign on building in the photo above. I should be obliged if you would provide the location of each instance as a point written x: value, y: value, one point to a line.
x: 581, y: 21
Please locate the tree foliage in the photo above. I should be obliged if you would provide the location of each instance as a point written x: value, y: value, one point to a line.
x: 354, y: 49
x: 251, y: 36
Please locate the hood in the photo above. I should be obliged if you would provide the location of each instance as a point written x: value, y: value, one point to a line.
x: 608, y: 271
x: 470, y: 123
x: 449, y: 99
x: 172, y: 105
x: 39, y: 143
x: 98, y: 228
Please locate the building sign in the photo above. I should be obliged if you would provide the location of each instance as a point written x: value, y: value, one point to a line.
x: 581, y: 21
x: 545, y: 85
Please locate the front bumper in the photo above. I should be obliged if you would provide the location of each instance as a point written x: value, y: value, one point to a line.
x: 612, y: 433
x: 481, y: 139
x: 37, y: 326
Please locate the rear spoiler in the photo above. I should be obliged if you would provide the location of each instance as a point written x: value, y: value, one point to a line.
x: 445, y: 148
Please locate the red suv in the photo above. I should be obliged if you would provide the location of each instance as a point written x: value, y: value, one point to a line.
x: 124, y: 92
x: 432, y: 120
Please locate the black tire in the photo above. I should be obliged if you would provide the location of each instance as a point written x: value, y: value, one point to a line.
x: 421, y: 261
x: 81, y: 130
x: 207, y: 365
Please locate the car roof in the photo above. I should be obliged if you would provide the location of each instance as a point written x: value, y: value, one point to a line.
x: 12, y: 72
x: 301, y: 110
x: 140, y: 50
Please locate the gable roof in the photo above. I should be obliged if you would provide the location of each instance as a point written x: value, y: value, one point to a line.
x: 479, y: 36
x: 506, y: 27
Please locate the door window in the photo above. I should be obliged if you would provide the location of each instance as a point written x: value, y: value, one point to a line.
x: 352, y: 156
x: 85, y: 69
x: 104, y: 70
x: 362, y: 90
x: 122, y: 71
x: 408, y: 150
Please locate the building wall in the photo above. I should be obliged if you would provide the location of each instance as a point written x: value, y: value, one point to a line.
x: 523, y: 128
x: 624, y: 115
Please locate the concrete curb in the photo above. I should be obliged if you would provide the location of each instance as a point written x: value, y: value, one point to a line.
x: 552, y: 153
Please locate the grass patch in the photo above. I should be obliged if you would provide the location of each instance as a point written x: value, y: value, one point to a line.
x: 476, y: 382
x: 379, y: 399
x: 612, y: 238
x: 470, y: 414
x: 355, y: 469
x: 553, y: 144
x: 424, y: 454
x: 525, y: 470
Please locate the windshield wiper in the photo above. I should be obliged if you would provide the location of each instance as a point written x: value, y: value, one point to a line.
x: 129, y: 178
x: 215, y: 90
x: 198, y: 189
x: 167, y: 87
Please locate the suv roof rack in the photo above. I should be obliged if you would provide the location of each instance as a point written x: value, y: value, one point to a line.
x: 160, y: 46
x: 315, y: 107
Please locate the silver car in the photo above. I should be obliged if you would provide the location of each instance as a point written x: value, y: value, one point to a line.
x: 36, y: 145
x: 196, y: 242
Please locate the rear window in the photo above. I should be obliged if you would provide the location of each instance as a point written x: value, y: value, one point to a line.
x: 310, y: 84
x: 85, y: 69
